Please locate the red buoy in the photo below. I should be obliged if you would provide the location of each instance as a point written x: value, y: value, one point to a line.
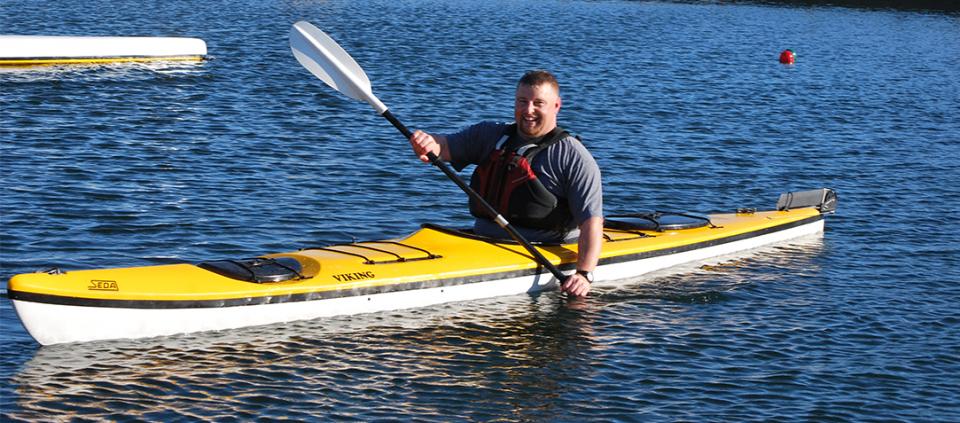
x: 787, y: 57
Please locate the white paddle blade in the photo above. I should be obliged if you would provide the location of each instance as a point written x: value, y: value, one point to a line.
x: 325, y: 59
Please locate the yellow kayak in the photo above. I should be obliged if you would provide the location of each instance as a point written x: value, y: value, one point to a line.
x: 433, y: 265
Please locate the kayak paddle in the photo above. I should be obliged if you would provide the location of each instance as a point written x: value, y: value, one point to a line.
x: 325, y: 59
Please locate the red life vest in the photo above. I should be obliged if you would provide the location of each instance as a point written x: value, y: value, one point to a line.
x: 506, y: 181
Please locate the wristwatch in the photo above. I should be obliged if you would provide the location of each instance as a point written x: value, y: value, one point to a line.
x: 586, y: 274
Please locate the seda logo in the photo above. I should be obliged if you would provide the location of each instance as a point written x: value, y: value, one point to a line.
x: 100, y: 285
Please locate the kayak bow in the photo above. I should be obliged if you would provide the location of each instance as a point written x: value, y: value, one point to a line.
x: 433, y: 265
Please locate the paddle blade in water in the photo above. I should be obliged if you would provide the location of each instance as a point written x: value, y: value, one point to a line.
x: 325, y: 59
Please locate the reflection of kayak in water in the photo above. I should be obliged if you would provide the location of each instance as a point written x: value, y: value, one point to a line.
x: 34, y: 50
x: 430, y: 266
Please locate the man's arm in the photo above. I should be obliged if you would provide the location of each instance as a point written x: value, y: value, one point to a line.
x: 588, y: 254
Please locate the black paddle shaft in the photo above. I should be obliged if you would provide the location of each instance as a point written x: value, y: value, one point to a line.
x: 480, y: 200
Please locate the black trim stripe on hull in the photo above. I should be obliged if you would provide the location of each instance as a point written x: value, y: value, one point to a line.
x: 325, y: 295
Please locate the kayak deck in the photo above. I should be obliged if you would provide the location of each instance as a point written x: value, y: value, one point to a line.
x: 431, y: 254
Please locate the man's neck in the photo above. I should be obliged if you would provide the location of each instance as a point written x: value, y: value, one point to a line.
x: 528, y: 138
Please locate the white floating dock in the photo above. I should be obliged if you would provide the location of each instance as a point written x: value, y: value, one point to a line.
x: 30, y: 50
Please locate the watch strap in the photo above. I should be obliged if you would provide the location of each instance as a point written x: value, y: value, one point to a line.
x: 588, y: 275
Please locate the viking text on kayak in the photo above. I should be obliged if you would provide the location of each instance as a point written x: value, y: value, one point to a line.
x: 355, y: 276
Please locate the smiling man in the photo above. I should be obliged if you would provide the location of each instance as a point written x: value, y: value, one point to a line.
x: 538, y: 176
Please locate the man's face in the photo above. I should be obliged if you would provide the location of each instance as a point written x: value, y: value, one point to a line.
x: 535, y: 109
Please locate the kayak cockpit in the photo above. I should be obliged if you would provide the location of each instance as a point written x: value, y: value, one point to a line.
x: 258, y: 269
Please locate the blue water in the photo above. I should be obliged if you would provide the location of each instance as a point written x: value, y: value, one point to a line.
x: 685, y: 107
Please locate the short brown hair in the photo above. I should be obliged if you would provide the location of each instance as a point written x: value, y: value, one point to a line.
x: 538, y: 77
